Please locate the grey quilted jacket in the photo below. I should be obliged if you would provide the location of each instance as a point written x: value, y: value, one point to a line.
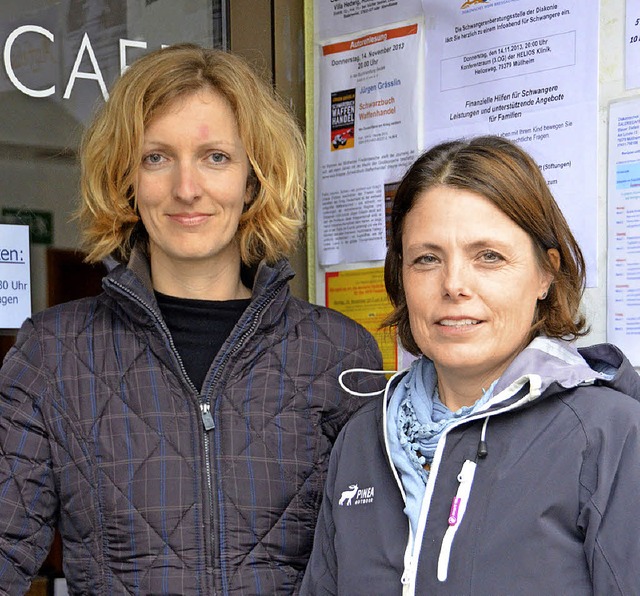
x: 155, y: 487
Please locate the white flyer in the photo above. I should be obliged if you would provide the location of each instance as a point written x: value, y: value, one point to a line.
x: 526, y: 70
x: 15, y: 276
x: 368, y: 126
x: 623, y: 256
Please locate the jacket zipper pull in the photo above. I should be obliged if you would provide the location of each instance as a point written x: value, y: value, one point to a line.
x: 407, y: 585
x: 465, y: 478
x: 207, y: 418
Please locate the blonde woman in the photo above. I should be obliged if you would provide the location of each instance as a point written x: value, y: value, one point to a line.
x: 177, y: 427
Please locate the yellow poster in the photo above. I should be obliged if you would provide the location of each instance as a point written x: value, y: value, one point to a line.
x: 360, y: 295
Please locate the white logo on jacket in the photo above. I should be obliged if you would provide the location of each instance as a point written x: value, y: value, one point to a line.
x: 359, y: 496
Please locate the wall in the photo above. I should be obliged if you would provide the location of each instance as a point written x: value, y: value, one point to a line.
x: 44, y: 176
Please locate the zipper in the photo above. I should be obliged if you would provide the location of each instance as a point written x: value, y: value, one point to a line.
x: 163, y: 326
x: 410, y: 559
x: 412, y: 551
x: 205, y: 409
x: 405, y: 580
x: 456, y: 513
x: 206, y: 414
x: 414, y: 546
x: 208, y: 418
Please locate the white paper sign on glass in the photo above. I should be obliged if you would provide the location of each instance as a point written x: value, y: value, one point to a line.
x: 15, y: 278
x: 623, y: 255
x: 527, y: 71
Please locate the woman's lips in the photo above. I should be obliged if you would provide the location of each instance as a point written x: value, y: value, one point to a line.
x: 189, y: 219
x: 458, y: 322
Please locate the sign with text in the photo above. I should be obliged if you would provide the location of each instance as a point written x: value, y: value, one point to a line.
x: 368, y: 123
x: 360, y: 294
x: 623, y: 254
x: 15, y: 278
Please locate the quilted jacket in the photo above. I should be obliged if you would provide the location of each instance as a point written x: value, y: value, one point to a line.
x: 157, y: 488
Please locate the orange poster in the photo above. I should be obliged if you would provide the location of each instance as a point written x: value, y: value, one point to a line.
x: 360, y: 295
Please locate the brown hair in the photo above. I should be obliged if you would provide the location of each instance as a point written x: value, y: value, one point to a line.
x: 506, y: 175
x: 112, y: 145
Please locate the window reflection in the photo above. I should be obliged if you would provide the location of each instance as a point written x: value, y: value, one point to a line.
x: 59, y: 61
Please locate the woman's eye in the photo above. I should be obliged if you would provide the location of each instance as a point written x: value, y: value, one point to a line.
x: 217, y: 157
x: 153, y: 158
x: 426, y: 260
x: 490, y: 256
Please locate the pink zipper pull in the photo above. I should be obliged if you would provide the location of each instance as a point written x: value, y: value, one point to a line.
x: 453, y: 513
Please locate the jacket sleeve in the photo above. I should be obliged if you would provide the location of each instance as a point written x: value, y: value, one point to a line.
x: 370, y: 356
x: 320, y: 577
x: 352, y: 350
x: 27, y: 491
x: 610, y: 479
x: 372, y: 360
x: 370, y: 385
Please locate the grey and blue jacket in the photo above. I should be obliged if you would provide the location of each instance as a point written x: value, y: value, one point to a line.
x: 535, y: 493
x: 157, y: 488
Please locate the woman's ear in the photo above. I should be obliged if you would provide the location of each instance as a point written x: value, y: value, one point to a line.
x: 554, y: 259
x: 253, y: 186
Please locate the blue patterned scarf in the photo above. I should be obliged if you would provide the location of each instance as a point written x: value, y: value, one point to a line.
x: 416, y: 420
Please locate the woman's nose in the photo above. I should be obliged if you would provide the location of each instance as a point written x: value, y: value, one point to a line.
x: 456, y: 282
x: 186, y: 185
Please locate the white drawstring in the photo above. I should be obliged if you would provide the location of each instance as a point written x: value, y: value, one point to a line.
x: 363, y: 370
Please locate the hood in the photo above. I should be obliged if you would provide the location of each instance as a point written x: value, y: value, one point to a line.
x: 555, y: 365
x: 558, y: 365
x: 609, y: 357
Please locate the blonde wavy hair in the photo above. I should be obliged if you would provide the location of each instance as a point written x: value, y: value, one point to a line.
x: 111, y: 151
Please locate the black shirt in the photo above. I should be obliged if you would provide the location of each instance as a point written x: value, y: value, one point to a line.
x: 199, y: 328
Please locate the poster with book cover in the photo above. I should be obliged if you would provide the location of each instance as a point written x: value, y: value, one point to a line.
x: 369, y: 125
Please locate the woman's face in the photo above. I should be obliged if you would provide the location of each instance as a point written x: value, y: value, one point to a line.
x: 472, y: 282
x: 192, y: 183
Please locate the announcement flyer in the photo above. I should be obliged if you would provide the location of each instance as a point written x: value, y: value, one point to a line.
x: 526, y: 70
x: 623, y: 279
x: 369, y: 126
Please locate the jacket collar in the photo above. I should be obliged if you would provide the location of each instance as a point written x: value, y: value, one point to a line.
x: 269, y: 285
